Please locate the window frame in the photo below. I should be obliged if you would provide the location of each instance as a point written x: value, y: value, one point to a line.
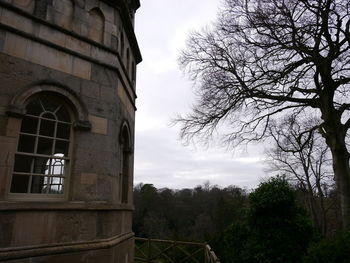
x: 68, y: 160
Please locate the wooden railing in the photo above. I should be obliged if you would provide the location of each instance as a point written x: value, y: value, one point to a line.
x: 169, y: 251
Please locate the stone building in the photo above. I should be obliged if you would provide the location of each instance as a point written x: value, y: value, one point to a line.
x: 67, y: 110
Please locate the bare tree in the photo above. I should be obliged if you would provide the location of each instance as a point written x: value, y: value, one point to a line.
x: 268, y: 58
x: 304, y: 159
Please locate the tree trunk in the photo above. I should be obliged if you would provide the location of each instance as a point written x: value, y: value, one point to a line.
x: 342, y: 173
x: 335, y: 135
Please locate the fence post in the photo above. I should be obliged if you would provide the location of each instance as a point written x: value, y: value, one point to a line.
x: 149, y: 250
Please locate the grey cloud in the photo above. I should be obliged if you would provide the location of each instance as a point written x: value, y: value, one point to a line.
x: 163, y: 91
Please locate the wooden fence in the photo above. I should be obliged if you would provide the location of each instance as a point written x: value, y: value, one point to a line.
x: 169, y: 251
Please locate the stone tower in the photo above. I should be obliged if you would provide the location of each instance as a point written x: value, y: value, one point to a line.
x: 67, y: 111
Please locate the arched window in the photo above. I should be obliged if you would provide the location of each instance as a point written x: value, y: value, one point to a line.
x: 42, y: 157
x: 96, y: 25
x: 124, y: 164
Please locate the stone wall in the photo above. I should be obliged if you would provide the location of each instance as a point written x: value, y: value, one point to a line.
x: 83, y: 53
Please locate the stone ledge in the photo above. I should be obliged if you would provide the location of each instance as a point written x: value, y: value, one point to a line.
x: 61, y: 206
x: 15, y: 111
x: 82, y: 125
x: 62, y: 248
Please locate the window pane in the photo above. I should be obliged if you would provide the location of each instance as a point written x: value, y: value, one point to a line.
x: 49, y: 104
x: 47, y: 185
x: 38, y: 185
x: 45, y: 146
x: 19, y: 183
x: 54, y: 185
x: 34, y: 108
x: 26, y: 143
x: 63, y: 131
x: 41, y: 165
x: 23, y: 163
x: 62, y: 147
x: 29, y: 125
x: 55, y: 167
x: 47, y: 128
x: 63, y: 115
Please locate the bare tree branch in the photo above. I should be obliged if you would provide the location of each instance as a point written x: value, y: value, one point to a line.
x: 265, y: 59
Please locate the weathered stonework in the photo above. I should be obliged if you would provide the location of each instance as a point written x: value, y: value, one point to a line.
x: 82, y: 53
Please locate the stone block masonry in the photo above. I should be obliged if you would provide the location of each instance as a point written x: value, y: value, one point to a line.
x: 67, y: 114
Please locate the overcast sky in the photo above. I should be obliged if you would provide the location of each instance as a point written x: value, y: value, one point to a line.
x: 162, y: 27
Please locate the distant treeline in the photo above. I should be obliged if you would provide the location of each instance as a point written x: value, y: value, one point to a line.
x: 188, y: 214
x: 237, y: 223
